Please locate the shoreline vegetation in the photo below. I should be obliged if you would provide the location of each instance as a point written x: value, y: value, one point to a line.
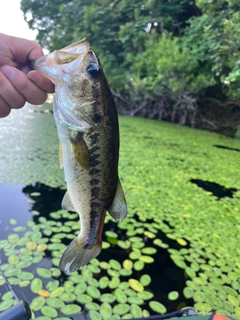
x: 173, y: 60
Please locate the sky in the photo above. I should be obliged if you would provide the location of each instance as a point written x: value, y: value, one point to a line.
x: 12, y: 22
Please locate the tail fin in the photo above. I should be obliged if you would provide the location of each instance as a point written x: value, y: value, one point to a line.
x: 77, y: 255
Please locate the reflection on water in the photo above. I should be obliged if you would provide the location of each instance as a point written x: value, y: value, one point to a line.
x: 29, y: 148
x: 49, y: 199
x: 13, y: 205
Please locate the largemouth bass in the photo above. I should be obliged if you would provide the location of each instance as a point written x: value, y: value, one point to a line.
x: 87, y: 125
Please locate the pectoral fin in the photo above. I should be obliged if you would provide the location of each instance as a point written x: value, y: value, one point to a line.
x: 80, y: 151
x: 118, y: 209
x: 67, y: 203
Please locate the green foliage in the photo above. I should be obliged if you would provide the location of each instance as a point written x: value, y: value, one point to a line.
x: 166, y: 64
x: 160, y: 53
x: 213, y: 38
x: 161, y: 58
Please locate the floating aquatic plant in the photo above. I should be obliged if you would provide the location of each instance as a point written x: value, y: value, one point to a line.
x: 169, y: 216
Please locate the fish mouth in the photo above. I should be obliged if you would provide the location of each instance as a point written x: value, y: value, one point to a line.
x: 33, y: 64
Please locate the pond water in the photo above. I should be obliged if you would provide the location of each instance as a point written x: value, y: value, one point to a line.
x: 37, y: 201
x: 163, y: 257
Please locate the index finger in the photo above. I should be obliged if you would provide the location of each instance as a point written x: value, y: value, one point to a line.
x: 20, y: 49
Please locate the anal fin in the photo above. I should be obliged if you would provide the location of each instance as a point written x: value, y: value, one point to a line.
x: 67, y: 203
x: 118, y: 209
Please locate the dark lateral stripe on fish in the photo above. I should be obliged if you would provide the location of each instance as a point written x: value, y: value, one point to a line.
x: 94, y: 149
x: 94, y: 162
x: 94, y: 182
x: 95, y: 204
x: 95, y: 192
x: 92, y: 236
x: 94, y: 171
x: 94, y: 138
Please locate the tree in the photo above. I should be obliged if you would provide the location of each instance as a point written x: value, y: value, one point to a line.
x: 213, y: 39
x: 161, y: 57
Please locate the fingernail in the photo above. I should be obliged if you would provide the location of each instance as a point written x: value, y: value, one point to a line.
x: 8, y: 71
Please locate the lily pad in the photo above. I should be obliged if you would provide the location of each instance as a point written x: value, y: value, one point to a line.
x: 94, y: 315
x: 13, y: 259
x: 145, y: 295
x: 93, y: 292
x: 4, y: 305
x: 105, y: 310
x: 157, y: 307
x: 120, y: 296
x: 70, y: 309
x: 123, y: 244
x: 138, y: 265
x: 115, y: 264
x: 149, y: 250
x: 67, y: 297
x: 24, y: 283
x: 84, y: 298
x: 135, y: 285
x: 55, y: 302
x: 43, y: 272
x: 128, y: 264
x: 92, y: 306
x: 173, y: 295
x: 49, y: 311
x: 114, y: 283
x: 145, y: 280
x: 43, y: 293
x: 80, y: 288
x: 25, y: 275
x: 37, y: 303
x: 36, y: 285
x: 7, y: 296
x: 121, y: 308
x: 56, y: 292
x: 135, y: 300
x: 31, y: 245
x: 52, y: 285
x: 111, y: 234
x: 136, y: 311
x: 107, y: 297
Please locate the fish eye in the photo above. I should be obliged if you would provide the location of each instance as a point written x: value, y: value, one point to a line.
x: 93, y: 70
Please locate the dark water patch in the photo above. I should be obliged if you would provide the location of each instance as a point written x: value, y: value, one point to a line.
x: 14, y: 205
x: 49, y: 199
x: 226, y: 148
x: 165, y: 274
x: 216, y: 189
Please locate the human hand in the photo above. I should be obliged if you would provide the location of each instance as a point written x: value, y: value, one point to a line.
x: 18, y: 83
